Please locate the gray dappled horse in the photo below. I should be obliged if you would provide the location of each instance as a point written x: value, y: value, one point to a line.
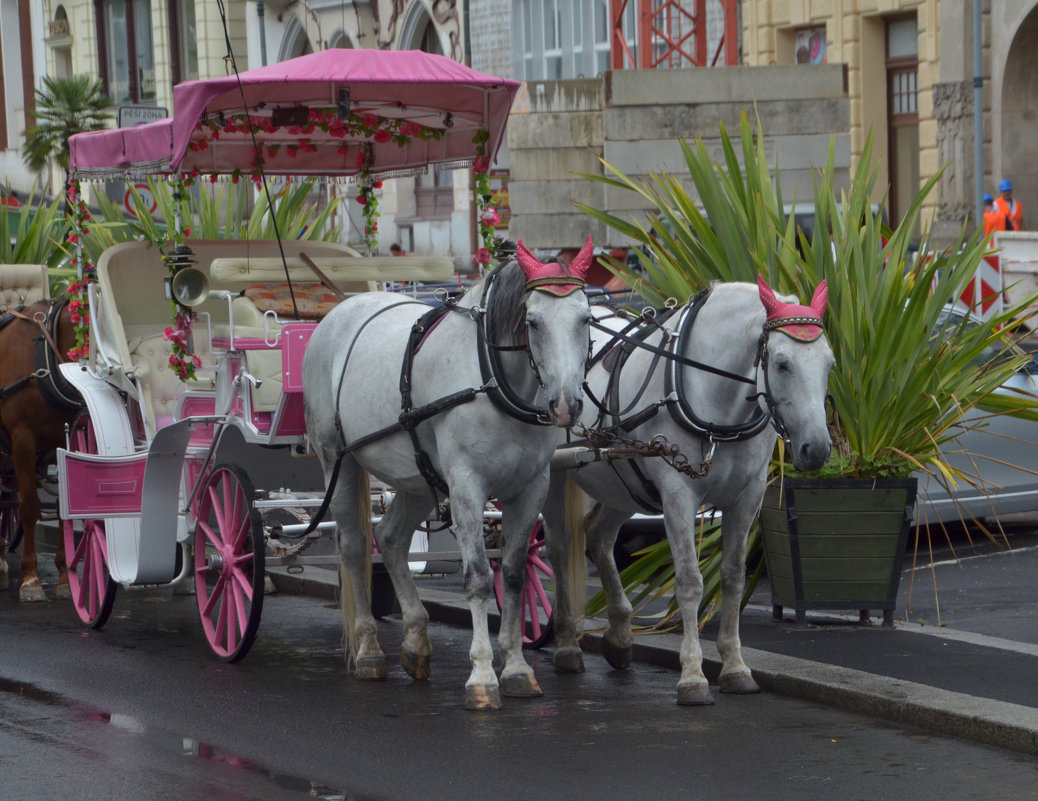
x: 486, y: 387
x: 761, y: 365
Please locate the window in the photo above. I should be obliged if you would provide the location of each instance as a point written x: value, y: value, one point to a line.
x: 126, y: 49
x: 183, y: 40
x: 565, y: 38
x: 902, y: 113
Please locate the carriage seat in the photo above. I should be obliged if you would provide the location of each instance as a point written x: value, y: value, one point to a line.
x: 23, y: 284
x: 159, y: 386
x: 261, y: 282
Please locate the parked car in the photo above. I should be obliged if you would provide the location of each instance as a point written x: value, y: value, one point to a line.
x: 1000, y: 449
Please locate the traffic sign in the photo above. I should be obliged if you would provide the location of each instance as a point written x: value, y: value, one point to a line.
x: 137, y: 115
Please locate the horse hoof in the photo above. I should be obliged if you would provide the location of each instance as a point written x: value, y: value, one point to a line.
x: 416, y: 665
x: 371, y: 668
x: 520, y: 685
x: 619, y: 658
x: 739, y: 684
x: 694, y: 694
x: 569, y: 660
x: 63, y: 592
x: 32, y: 593
x: 480, y: 697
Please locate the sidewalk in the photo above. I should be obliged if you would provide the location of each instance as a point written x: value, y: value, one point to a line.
x: 976, y: 676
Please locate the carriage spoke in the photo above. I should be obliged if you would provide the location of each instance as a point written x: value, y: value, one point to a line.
x: 534, y: 582
x: 530, y: 605
x: 540, y: 564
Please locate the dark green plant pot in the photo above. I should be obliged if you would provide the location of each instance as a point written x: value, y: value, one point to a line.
x: 836, y: 543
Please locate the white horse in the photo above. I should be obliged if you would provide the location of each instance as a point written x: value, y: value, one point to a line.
x: 485, y: 391
x: 761, y: 365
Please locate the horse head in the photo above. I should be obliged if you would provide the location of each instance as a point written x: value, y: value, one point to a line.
x: 558, y: 329
x: 796, y: 374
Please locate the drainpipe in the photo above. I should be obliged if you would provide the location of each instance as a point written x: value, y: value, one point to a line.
x: 978, y: 115
x: 262, y: 33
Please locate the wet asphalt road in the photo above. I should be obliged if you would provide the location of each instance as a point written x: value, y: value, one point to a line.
x: 142, y: 710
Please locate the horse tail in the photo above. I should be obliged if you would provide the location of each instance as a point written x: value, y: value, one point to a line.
x: 577, y: 503
x: 347, y: 602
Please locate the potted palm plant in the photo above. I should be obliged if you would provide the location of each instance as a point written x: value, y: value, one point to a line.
x: 903, y: 378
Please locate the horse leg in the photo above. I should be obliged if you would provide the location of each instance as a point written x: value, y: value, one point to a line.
x: 735, y: 525
x: 618, y: 643
x: 679, y: 519
x: 519, y: 516
x: 351, y: 505
x: 558, y: 538
x: 482, y: 690
x: 393, y: 536
x: 23, y: 456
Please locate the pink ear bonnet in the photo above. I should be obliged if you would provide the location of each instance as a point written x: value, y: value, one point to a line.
x: 553, y: 277
x: 800, y: 322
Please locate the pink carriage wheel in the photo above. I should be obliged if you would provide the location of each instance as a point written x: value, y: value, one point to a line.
x: 86, y: 547
x: 229, y: 562
x: 537, y: 619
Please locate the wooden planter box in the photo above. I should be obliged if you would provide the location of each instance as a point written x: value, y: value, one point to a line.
x: 836, y: 543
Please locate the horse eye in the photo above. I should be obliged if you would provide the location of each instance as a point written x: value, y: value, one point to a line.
x: 782, y: 364
x: 533, y: 322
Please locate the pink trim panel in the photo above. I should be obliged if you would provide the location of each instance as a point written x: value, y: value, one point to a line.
x: 101, y: 486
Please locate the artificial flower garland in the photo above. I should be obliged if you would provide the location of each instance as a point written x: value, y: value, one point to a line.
x: 486, y: 216
x: 182, y: 359
x: 76, y: 290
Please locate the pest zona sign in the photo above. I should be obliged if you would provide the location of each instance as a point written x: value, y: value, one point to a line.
x: 129, y: 116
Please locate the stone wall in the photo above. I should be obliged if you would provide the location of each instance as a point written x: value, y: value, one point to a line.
x: 634, y: 120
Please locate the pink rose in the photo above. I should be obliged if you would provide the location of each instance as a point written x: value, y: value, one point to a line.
x: 482, y: 256
x: 489, y: 217
x: 369, y: 120
x: 481, y: 163
x: 382, y: 136
x: 409, y: 128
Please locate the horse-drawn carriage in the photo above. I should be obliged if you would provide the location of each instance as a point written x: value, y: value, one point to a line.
x: 467, y: 400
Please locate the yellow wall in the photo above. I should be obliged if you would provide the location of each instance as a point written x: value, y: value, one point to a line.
x: 855, y: 37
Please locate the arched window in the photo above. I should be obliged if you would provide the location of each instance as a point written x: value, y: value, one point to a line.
x: 126, y: 49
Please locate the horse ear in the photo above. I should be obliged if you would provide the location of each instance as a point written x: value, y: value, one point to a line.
x: 581, y: 263
x: 526, y: 260
x: 821, y: 298
x: 767, y: 295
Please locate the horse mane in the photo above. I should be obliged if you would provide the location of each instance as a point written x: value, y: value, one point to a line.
x: 509, y: 307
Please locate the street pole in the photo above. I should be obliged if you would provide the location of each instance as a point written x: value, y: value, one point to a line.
x: 978, y: 116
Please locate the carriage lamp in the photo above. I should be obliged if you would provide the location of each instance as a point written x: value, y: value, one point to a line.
x: 344, y: 104
x: 186, y: 285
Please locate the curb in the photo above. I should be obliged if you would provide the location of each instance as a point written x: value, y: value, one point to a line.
x: 998, y: 723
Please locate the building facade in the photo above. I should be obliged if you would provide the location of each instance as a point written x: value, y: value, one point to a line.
x: 910, y: 81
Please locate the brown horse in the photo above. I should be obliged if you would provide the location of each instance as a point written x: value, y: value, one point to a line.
x: 34, y: 411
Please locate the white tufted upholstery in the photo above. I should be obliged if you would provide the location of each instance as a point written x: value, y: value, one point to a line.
x: 22, y: 284
x: 159, y: 386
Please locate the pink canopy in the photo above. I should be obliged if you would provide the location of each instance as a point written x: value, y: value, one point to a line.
x: 336, y: 112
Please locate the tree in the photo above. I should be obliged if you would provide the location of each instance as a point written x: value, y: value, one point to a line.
x: 64, y: 106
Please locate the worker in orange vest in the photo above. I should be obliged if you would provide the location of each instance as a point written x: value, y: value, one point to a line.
x: 994, y: 218
x: 1011, y: 208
